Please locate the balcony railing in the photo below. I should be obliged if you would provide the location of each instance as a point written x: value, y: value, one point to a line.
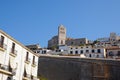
x: 34, y: 64
x: 3, y: 46
x: 5, y: 69
x: 26, y: 77
x: 13, y: 53
x: 13, y: 71
x: 27, y: 60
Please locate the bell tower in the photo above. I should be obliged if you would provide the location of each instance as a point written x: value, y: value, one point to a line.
x: 61, y: 35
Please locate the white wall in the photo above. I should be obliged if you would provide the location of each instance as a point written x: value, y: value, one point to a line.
x: 87, y: 54
x: 19, y: 60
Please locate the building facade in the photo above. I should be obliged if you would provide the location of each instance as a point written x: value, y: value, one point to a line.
x: 37, y: 49
x: 16, y: 61
x: 61, y: 39
x: 113, y: 52
x: 76, y: 42
x: 88, y: 51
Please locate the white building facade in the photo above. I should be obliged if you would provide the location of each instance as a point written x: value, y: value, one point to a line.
x: 16, y: 61
x: 113, y: 52
x: 88, y: 51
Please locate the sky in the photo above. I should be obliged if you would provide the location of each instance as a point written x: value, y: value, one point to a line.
x: 37, y: 21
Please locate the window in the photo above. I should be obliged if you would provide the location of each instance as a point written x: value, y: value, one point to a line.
x: 45, y: 52
x: 61, y: 41
x: 2, y: 41
x: 76, y: 52
x: 118, y: 54
x: 33, y: 60
x: 71, y: 52
x: 71, y: 43
x: 80, y: 42
x: 13, y: 48
x: 81, y: 51
x: 93, y: 51
x: 90, y: 55
x: 38, y: 51
x: 59, y: 50
x: 62, y: 28
x: 27, y: 56
x: 97, y: 56
x: 99, y: 51
x: 111, y: 53
x: 32, y: 77
x: 87, y: 51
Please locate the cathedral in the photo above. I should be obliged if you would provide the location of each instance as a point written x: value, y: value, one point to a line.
x: 61, y: 39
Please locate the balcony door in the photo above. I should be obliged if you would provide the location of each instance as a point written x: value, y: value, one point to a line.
x: 13, y: 47
x: 2, y: 41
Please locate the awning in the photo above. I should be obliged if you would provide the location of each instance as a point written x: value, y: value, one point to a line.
x: 13, y: 63
x: 27, y: 68
x: 34, y: 71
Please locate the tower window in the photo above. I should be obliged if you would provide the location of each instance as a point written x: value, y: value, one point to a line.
x: 61, y: 41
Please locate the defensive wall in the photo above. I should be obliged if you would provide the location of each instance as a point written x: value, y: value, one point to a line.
x: 76, y: 68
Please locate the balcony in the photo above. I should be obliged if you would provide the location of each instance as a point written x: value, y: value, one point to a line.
x: 13, y: 72
x: 27, y: 60
x: 34, y: 78
x: 5, y: 69
x: 26, y: 77
x: 34, y: 64
x: 13, y: 53
x: 3, y: 47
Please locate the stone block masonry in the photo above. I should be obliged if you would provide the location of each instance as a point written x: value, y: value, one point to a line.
x: 67, y: 68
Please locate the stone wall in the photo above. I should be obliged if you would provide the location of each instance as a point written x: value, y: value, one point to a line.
x: 64, y: 68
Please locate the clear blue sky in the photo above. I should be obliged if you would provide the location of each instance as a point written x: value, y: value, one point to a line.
x: 36, y: 21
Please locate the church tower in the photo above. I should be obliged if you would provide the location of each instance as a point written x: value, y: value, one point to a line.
x: 61, y: 35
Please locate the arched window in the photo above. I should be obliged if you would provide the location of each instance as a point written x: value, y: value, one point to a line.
x: 61, y: 41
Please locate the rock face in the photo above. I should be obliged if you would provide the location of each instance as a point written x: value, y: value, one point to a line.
x: 78, y: 69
